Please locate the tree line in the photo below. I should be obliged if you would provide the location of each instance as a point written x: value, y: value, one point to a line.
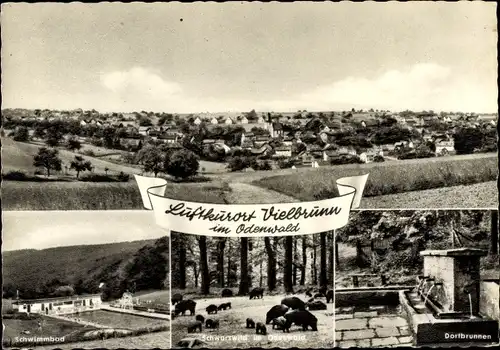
x: 203, y: 262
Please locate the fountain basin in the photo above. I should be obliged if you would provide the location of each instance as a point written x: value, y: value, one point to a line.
x: 429, y: 327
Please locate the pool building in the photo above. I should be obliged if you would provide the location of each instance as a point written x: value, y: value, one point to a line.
x: 59, y: 305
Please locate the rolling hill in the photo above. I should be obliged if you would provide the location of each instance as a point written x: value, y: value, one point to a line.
x: 35, y: 271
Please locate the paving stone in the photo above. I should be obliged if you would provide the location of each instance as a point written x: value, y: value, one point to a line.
x: 404, y: 331
x: 343, y: 316
x: 377, y: 307
x: 347, y: 344
x: 354, y: 323
x: 385, y: 341
x: 405, y: 345
x: 358, y: 334
x: 347, y: 309
x: 404, y: 340
x: 338, y: 336
x: 366, y: 314
x: 363, y: 343
x: 386, y: 321
x: 387, y: 332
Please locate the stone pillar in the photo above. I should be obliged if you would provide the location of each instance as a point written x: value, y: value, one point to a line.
x: 459, y: 272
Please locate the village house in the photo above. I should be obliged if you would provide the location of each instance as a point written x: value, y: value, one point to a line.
x: 329, y: 154
x: 261, y: 139
x: 197, y: 121
x: 276, y: 130
x: 307, y: 159
x: 261, y: 120
x: 247, y: 144
x: 283, y: 151
x: 61, y: 305
x: 445, y: 146
x: 214, y: 121
x: 244, y: 120
x: 168, y: 138
x: 228, y: 121
x: 346, y: 150
x: 144, y: 130
x: 288, y: 140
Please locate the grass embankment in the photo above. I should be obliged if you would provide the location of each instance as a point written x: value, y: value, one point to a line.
x: 98, y: 196
x: 387, y: 178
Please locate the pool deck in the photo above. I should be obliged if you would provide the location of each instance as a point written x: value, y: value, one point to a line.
x: 136, y: 312
x: 378, y: 326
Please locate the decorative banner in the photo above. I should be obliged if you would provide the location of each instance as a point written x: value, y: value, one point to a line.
x: 251, y: 220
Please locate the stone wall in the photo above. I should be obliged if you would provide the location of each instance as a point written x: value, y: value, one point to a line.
x: 490, y: 299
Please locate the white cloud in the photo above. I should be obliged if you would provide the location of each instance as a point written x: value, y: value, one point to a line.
x: 421, y: 86
x: 139, y: 83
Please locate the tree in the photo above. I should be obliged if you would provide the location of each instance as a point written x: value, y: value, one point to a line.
x: 79, y: 164
x: 304, y: 261
x: 244, y: 285
x: 21, y: 134
x: 182, y: 164
x: 221, y: 244
x: 323, y: 272
x: 48, y: 159
x: 494, y: 233
x: 53, y: 136
x: 152, y: 159
x: 467, y: 140
x: 205, y: 276
x: 271, y: 264
x: 73, y: 144
x: 287, y: 278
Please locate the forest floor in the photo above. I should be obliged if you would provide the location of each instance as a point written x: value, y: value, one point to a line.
x: 233, y: 334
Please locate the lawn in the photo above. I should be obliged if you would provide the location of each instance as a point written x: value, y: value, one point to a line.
x: 157, y: 340
x: 232, y: 330
x: 118, y: 319
x: 50, y: 327
x: 387, y: 178
x: 19, y: 156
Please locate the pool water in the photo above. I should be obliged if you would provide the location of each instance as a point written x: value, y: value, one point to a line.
x: 117, y: 319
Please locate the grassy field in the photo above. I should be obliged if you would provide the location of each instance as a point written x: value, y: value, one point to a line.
x: 388, y: 178
x: 481, y: 195
x: 232, y: 324
x: 70, y: 195
x: 50, y: 327
x: 19, y: 156
x: 157, y: 340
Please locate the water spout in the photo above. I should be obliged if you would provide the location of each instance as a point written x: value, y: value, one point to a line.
x: 470, y: 306
x: 427, y: 295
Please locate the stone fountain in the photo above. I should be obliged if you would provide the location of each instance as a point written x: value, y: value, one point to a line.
x: 444, y: 307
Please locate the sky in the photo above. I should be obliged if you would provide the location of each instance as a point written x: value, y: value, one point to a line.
x: 47, y: 229
x: 221, y: 57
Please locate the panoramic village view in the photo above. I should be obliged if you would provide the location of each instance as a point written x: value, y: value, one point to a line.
x: 249, y: 103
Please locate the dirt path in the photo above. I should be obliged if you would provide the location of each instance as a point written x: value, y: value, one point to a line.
x: 245, y: 193
x: 233, y: 334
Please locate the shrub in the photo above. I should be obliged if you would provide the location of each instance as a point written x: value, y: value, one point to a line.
x: 239, y: 163
x: 89, y: 152
x: 285, y: 163
x: 345, y: 159
x: 182, y: 164
x: 378, y: 159
x: 122, y: 177
x: 262, y: 165
x: 15, y: 176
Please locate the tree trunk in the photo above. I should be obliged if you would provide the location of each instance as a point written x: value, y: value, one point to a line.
x: 221, y: 244
x: 494, y: 232
x: 196, y: 275
x: 295, y: 258
x: 260, y: 272
x: 229, y: 267
x: 322, y: 276
x: 337, y: 260
x: 48, y: 171
x: 330, y: 258
x: 244, y: 287
x: 250, y: 266
x: 315, y: 258
x: 182, y: 264
x: 271, y: 264
x: 287, y: 279
x: 304, y: 261
x: 205, y: 276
